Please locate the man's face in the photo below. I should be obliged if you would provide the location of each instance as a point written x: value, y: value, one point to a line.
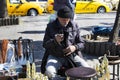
x: 63, y: 21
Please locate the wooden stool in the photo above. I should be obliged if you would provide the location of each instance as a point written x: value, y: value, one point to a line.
x: 81, y: 73
x: 114, y: 61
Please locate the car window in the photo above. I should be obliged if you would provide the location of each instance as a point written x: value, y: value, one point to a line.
x: 36, y: 0
x: 14, y: 1
x: 88, y: 0
x: 42, y: 0
x: 31, y: 0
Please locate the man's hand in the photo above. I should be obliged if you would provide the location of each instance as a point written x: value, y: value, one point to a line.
x: 69, y: 50
x: 59, y: 37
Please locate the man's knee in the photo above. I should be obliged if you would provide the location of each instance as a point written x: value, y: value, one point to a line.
x: 50, y: 71
x: 81, y: 61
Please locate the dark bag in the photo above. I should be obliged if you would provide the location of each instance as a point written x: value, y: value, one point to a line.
x: 71, y: 64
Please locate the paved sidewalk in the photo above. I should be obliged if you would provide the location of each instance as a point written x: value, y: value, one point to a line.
x: 34, y: 28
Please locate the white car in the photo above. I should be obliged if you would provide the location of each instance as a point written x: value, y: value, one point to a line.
x: 42, y: 3
x: 113, y: 4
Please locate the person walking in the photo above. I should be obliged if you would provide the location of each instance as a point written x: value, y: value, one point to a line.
x: 63, y: 45
x: 58, y: 4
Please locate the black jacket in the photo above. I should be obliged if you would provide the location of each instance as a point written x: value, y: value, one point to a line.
x: 58, y: 4
x: 72, y: 37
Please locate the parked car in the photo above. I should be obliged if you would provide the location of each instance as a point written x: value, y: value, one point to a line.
x: 49, y: 7
x: 42, y: 3
x: 84, y: 6
x: 22, y: 7
x: 113, y: 4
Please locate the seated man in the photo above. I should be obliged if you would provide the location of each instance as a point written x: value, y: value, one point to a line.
x: 63, y: 45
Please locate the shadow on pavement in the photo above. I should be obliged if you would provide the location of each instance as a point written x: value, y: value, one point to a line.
x: 32, y: 32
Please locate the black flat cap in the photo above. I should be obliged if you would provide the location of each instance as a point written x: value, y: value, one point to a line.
x: 65, y: 12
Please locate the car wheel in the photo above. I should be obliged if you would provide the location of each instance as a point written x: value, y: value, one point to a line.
x: 32, y: 12
x: 101, y: 9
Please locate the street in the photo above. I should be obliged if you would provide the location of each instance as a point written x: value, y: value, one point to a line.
x: 34, y: 28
